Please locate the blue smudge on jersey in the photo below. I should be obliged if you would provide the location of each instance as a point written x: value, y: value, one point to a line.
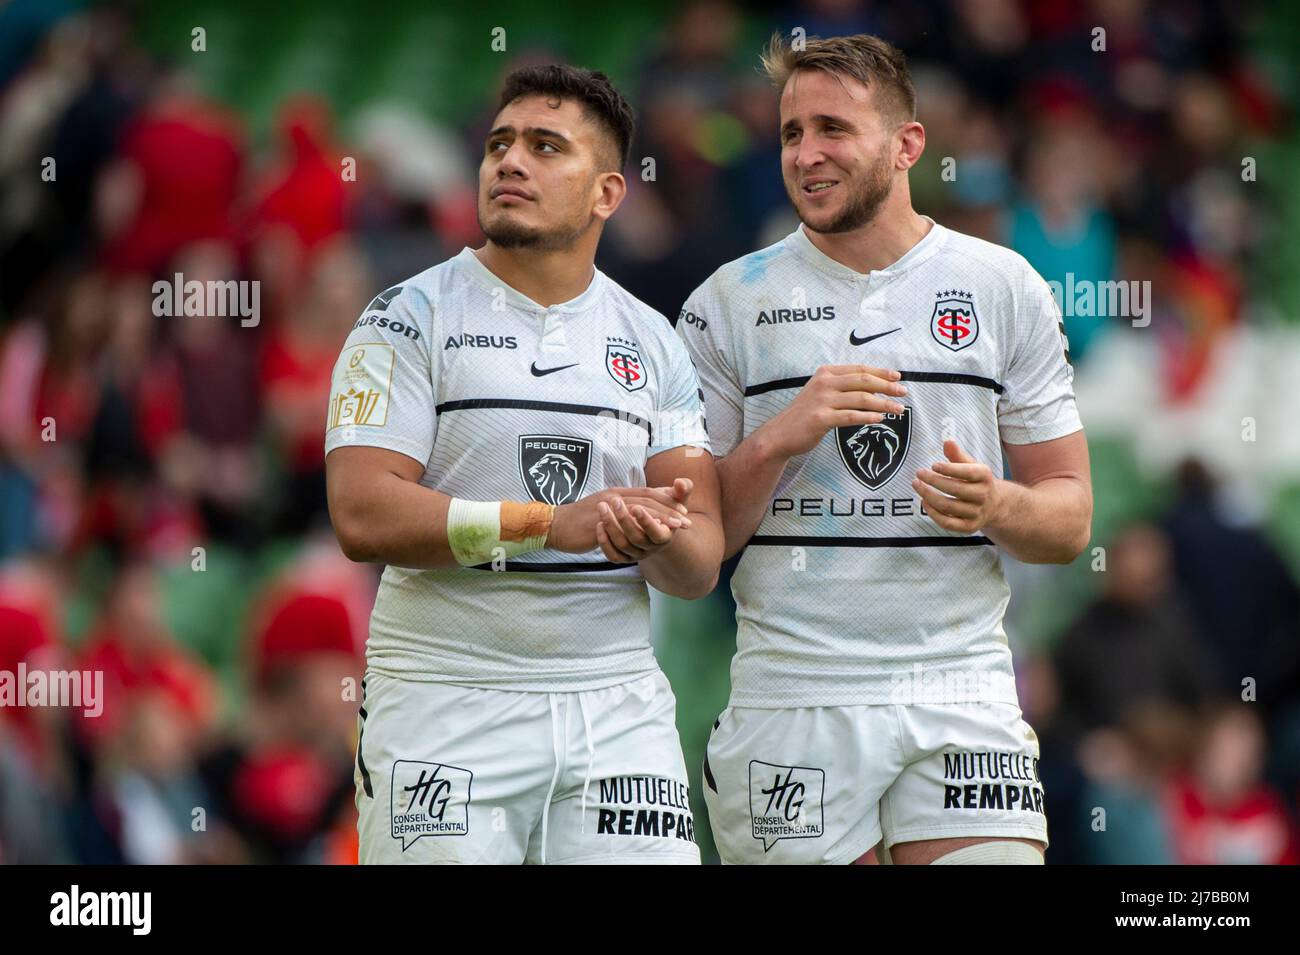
x: 756, y: 264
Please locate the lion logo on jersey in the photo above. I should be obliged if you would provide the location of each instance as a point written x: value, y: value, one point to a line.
x: 554, y: 476
x: 873, y: 453
x: 873, y: 447
x: 554, y: 467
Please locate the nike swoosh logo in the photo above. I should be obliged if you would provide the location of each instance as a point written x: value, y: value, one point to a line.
x: 539, y: 372
x: 855, y: 340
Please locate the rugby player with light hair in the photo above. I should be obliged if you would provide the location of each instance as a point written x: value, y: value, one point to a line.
x: 863, y: 379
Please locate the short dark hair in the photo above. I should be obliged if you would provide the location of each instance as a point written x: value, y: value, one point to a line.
x: 867, y: 59
x: 591, y: 88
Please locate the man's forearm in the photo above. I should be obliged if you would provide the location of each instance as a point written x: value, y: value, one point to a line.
x: 382, y: 514
x: 748, y: 475
x: 1048, y: 523
x: 395, y: 522
x: 405, y: 524
x: 688, y: 567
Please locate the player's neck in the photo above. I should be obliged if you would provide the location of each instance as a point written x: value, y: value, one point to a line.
x: 878, y: 244
x: 548, y: 277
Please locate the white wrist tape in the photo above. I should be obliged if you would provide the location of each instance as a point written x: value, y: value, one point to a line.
x: 476, y: 536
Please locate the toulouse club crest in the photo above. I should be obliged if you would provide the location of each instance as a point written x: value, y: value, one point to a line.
x: 623, y: 362
x: 873, y: 453
x: 953, y: 322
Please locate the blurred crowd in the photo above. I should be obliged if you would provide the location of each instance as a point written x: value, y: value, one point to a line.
x: 142, y: 455
x: 1169, y: 711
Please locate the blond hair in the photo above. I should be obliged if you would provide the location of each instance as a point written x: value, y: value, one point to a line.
x: 867, y: 59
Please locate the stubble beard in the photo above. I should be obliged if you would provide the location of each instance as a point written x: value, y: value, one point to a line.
x: 508, y: 234
x: 863, y: 206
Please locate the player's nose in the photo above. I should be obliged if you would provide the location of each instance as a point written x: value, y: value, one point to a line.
x: 808, y: 154
x: 512, y: 162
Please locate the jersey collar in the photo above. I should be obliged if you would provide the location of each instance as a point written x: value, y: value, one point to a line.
x: 930, y: 243
x: 489, y: 280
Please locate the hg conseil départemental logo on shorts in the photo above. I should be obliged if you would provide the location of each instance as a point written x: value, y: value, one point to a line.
x: 785, y: 802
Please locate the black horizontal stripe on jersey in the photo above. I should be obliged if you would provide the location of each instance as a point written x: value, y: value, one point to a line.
x: 953, y: 378
x: 937, y: 377
x: 782, y: 540
x: 472, y: 404
x: 778, y: 385
x: 568, y: 567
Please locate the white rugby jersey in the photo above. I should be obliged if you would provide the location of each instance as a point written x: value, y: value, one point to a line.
x: 504, y: 399
x: 848, y: 593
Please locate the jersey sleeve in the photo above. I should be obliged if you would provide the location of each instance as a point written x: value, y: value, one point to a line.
x: 680, y: 416
x: 701, y: 327
x: 1038, y: 401
x: 381, y: 391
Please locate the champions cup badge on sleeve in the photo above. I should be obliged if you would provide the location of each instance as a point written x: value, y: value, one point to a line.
x: 361, y: 386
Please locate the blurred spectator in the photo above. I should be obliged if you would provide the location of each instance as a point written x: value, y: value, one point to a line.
x: 33, y: 104
x: 25, y: 642
x: 1244, y: 603
x: 1126, y: 769
x: 285, y: 784
x: 32, y: 765
x: 413, y: 173
x: 176, y: 181
x: 84, y: 142
x: 131, y: 460
x: 685, y: 127
x: 305, y: 193
x: 1060, y: 225
x: 1222, y: 812
x: 49, y: 393
x: 157, y: 808
x: 1134, y: 645
x: 133, y: 649
x: 296, y: 363
x: 216, y: 360
x: 695, y: 54
x: 31, y: 635
x: 30, y: 830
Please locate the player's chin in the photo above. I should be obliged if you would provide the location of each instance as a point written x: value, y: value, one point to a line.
x: 818, y: 220
x: 818, y: 216
x: 509, y: 218
x: 511, y: 229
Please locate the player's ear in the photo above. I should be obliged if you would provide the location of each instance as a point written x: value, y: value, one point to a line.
x: 911, y: 143
x: 611, y: 188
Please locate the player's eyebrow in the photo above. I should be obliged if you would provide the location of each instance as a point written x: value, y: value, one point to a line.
x: 532, y: 132
x: 819, y: 119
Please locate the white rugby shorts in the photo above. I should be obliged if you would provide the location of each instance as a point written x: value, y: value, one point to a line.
x: 454, y: 774
x: 825, y: 784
